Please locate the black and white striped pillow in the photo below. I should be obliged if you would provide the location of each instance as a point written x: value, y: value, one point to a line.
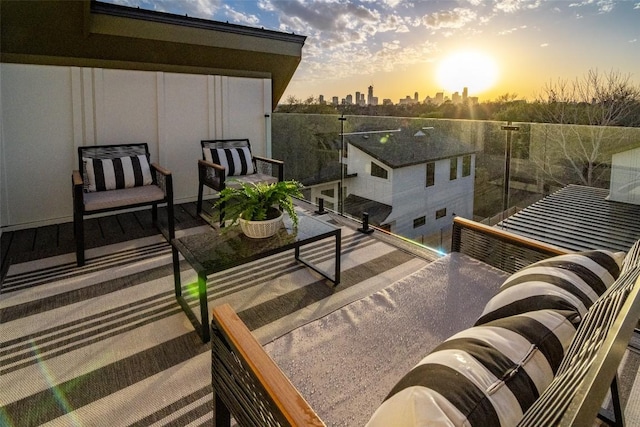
x: 565, y: 282
x: 117, y: 173
x: 483, y: 376
x: 237, y: 161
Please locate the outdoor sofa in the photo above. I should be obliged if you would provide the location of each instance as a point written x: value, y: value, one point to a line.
x: 561, y: 377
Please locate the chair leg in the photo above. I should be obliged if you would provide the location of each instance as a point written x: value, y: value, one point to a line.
x: 221, y: 413
x: 78, y: 230
x: 199, y: 203
x: 171, y: 221
x: 154, y: 214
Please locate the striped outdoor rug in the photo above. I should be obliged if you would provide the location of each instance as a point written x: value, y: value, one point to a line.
x: 108, y: 344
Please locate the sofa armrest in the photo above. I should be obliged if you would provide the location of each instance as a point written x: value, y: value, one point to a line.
x: 499, y: 248
x: 246, y: 381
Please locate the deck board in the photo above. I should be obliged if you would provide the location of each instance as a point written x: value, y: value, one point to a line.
x: 57, y: 239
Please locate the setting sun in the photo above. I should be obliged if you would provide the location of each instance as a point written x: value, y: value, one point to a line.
x: 473, y: 70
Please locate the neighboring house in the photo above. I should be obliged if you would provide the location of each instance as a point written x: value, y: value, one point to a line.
x: 84, y: 72
x: 415, y: 179
x: 625, y: 177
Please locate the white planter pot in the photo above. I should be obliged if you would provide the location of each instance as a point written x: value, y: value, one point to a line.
x: 261, y: 229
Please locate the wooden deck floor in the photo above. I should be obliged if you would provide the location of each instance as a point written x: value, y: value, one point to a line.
x: 41, y: 242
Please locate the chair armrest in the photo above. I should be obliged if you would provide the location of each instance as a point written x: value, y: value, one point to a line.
x: 265, y: 159
x: 76, y: 178
x: 240, y: 365
x: 164, y: 180
x: 77, y: 190
x: 204, y: 177
x: 279, y: 164
x: 163, y: 171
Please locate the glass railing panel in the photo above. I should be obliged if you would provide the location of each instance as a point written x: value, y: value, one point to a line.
x: 412, y: 175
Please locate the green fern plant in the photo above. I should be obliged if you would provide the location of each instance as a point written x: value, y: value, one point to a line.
x: 259, y: 202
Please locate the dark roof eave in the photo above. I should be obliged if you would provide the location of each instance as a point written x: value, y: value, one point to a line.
x: 87, y: 33
x: 188, y: 21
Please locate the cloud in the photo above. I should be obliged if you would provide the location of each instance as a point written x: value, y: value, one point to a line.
x: 455, y: 18
x: 544, y: 45
x: 512, y: 6
x: 604, y: 6
x: 241, y: 18
x: 204, y: 9
x: 323, y: 16
x: 511, y: 30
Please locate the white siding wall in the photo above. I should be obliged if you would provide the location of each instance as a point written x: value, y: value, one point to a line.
x: 625, y: 178
x: 413, y: 199
x: 406, y: 191
x: 365, y: 185
x: 47, y: 112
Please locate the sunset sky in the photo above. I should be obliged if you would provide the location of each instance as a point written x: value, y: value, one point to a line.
x: 402, y: 47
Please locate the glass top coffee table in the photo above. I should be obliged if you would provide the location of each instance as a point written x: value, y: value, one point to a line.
x: 212, y: 251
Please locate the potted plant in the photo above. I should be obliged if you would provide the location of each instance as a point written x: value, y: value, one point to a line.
x: 258, y: 207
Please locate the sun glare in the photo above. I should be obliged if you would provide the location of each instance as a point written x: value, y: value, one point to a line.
x: 472, y: 70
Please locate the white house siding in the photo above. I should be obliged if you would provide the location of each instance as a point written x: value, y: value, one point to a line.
x: 48, y: 111
x: 365, y: 185
x: 413, y: 199
x: 625, y: 178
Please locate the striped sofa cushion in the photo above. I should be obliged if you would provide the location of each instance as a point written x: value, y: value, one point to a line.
x: 237, y: 161
x: 565, y: 282
x: 116, y: 173
x: 484, y: 376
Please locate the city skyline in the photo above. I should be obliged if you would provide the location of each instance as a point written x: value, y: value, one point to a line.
x: 493, y: 47
x: 358, y: 97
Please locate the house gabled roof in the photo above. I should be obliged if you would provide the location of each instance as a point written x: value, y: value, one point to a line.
x: 89, y: 33
x: 408, y: 146
x: 578, y: 218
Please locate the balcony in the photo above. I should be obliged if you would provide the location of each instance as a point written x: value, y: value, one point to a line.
x: 83, y: 341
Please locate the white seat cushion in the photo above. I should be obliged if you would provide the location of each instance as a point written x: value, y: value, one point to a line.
x: 122, y: 198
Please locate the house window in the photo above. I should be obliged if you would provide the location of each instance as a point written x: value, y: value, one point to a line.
x: 379, y: 171
x: 431, y: 174
x: 441, y: 213
x: 466, y: 165
x: 419, y: 222
x: 453, y: 169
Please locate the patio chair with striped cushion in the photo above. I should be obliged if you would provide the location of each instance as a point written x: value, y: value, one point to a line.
x: 227, y: 162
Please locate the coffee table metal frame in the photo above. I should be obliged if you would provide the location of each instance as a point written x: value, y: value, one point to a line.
x: 203, y: 252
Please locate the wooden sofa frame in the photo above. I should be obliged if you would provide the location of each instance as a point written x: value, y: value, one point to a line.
x: 161, y: 178
x: 214, y: 176
x: 249, y: 386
